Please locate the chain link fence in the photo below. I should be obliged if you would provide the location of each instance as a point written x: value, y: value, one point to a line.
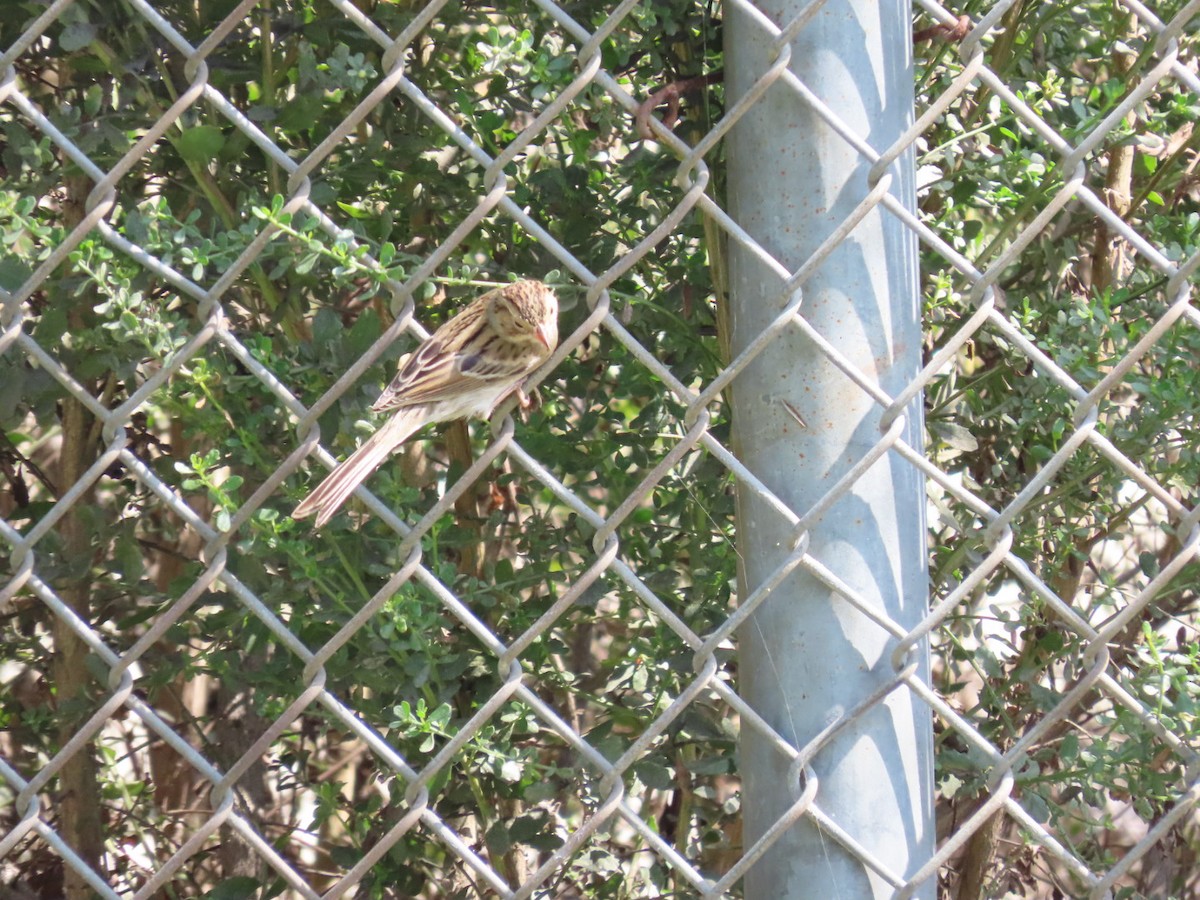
x: 613, y: 805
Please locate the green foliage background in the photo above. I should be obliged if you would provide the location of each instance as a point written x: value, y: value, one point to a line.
x: 309, y: 306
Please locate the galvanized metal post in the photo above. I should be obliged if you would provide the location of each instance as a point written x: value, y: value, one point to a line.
x: 807, y: 654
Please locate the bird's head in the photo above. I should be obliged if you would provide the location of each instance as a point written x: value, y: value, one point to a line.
x: 526, y: 312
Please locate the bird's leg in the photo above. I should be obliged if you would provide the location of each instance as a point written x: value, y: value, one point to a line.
x: 524, y: 402
x: 527, y: 402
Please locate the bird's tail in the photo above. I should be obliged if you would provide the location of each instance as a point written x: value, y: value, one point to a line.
x: 327, y: 497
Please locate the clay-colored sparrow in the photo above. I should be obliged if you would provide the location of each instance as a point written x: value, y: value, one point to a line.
x: 463, y: 369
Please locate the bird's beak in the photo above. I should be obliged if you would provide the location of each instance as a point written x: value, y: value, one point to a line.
x: 542, y: 336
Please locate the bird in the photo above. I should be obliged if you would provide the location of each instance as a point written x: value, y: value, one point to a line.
x: 464, y: 369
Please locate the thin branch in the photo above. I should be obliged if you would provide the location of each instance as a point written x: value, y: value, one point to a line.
x: 670, y: 94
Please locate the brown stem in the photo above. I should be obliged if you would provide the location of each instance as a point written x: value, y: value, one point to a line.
x: 467, y: 506
x: 950, y: 33
x: 78, y: 809
x: 185, y: 696
x: 670, y: 94
x: 1118, y: 189
x: 981, y: 848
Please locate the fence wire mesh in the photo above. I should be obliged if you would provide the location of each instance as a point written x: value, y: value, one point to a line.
x: 200, y: 787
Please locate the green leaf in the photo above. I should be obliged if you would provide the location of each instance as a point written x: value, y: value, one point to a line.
x: 200, y: 144
x: 712, y: 765
x: 654, y: 775
x: 440, y: 717
x: 240, y: 887
x: 498, y: 840
x: 327, y: 325
x: 547, y: 841
x: 13, y: 273
x: 300, y: 113
x: 950, y: 786
x: 363, y: 333
x: 77, y: 36
x: 128, y: 557
x: 355, y: 212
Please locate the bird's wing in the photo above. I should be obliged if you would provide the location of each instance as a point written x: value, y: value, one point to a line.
x: 447, y: 366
